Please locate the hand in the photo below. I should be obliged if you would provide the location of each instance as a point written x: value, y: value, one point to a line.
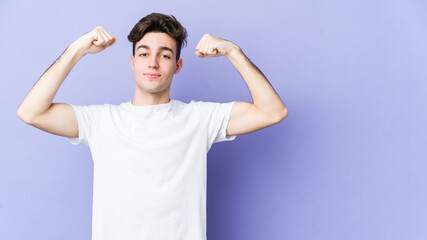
x: 210, y: 46
x: 94, y: 41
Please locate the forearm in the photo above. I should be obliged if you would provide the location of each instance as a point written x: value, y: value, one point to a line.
x: 40, y: 97
x: 263, y: 94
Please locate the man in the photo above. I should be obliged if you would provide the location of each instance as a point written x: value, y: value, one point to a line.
x: 150, y: 153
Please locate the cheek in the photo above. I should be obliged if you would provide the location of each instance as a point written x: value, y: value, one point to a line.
x: 172, y: 66
x: 138, y: 65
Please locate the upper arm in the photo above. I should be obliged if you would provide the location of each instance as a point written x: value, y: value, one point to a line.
x: 60, y: 119
x: 246, y: 117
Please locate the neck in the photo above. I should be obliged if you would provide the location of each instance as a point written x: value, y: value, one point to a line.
x: 145, y: 99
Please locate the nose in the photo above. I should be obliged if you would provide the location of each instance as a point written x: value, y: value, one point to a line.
x: 153, y: 62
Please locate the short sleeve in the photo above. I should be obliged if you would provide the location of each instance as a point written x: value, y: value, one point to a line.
x: 89, y: 120
x: 216, y: 116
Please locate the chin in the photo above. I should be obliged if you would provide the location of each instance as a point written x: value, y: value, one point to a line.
x: 157, y: 89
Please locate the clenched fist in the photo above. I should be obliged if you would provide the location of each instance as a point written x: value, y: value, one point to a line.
x: 94, y: 41
x: 210, y: 46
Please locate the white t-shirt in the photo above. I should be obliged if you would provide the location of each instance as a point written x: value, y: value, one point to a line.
x: 150, y: 167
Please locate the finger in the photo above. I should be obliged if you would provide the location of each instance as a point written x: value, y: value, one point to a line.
x: 100, y: 42
x: 209, y: 49
x: 210, y: 46
x: 99, y: 39
x: 199, y: 44
x: 214, y: 52
x: 108, y: 35
x: 97, y: 36
x: 202, y: 42
x: 203, y: 47
x: 199, y: 54
x: 105, y: 38
x: 112, y: 39
x: 202, y: 55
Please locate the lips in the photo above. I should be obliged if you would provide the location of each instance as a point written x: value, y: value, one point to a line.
x: 152, y: 75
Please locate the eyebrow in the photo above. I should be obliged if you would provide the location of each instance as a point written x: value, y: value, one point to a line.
x: 163, y: 48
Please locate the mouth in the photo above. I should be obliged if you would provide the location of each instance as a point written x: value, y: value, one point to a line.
x: 152, y: 76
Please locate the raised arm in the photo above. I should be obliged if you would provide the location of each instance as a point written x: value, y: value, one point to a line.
x: 37, y: 108
x: 267, y: 108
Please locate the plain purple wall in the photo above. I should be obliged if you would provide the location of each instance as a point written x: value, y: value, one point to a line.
x: 349, y: 162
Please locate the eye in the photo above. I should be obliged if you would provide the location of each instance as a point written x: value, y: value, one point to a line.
x: 142, y: 54
x: 165, y: 56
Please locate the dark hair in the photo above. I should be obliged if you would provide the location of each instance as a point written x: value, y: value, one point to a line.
x: 157, y: 22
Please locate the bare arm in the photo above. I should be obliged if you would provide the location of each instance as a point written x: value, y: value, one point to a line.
x: 267, y: 108
x: 37, y: 108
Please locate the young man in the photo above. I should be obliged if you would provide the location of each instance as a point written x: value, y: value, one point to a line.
x: 150, y: 153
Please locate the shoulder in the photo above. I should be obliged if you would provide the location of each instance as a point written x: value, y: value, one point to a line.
x: 203, y: 105
x: 94, y: 109
x: 213, y: 109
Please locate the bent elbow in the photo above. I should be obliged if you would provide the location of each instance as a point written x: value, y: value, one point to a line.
x: 20, y: 115
x: 24, y: 117
x: 279, y: 117
x: 283, y: 114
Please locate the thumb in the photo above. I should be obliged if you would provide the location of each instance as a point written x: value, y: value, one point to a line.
x: 113, y: 41
x: 199, y: 54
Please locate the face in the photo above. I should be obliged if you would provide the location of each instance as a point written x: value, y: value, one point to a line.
x: 154, y: 63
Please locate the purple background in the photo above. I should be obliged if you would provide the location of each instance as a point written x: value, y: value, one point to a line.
x: 349, y: 162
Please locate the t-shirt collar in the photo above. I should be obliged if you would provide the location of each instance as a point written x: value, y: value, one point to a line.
x: 162, y: 110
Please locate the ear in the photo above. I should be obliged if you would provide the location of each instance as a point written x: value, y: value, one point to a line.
x: 132, y: 60
x: 179, y: 64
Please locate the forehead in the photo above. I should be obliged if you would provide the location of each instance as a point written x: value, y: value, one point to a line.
x: 156, y: 39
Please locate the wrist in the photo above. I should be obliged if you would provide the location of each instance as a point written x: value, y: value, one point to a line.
x: 74, y: 53
x: 234, y: 52
x: 75, y: 50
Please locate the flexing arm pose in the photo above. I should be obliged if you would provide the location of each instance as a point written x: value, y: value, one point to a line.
x: 37, y: 108
x: 267, y: 109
